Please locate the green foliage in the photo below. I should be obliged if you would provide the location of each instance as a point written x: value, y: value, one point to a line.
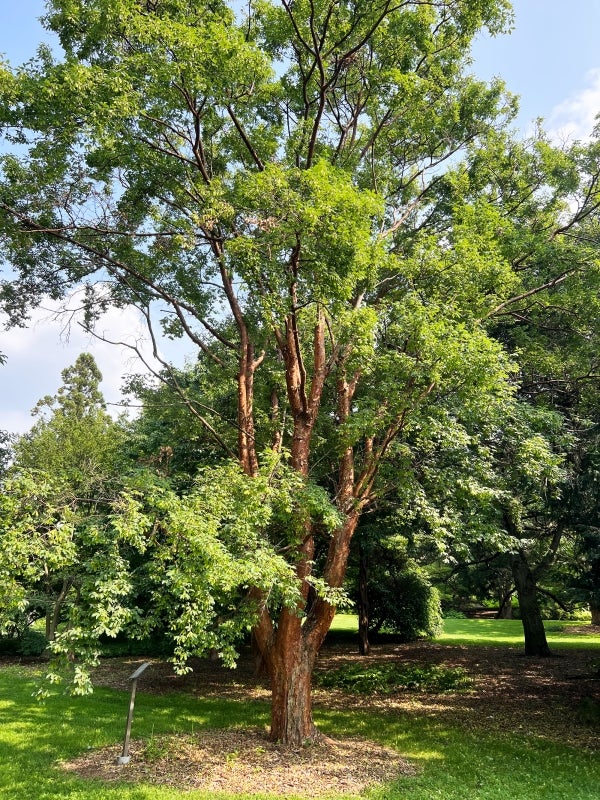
x: 157, y: 747
x: 77, y: 442
x: 400, y: 598
x: 403, y: 602
x: 5, y: 451
x: 388, y: 678
x: 184, y: 564
x: 65, y: 472
x: 29, y: 642
x: 33, y: 643
x: 452, y: 613
x: 37, y: 539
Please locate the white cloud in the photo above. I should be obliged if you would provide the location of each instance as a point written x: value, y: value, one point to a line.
x: 36, y: 356
x: 575, y: 117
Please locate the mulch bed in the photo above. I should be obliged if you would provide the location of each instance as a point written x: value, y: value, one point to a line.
x: 244, y: 761
x: 557, y: 699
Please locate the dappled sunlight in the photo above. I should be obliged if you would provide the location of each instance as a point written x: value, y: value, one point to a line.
x: 516, y: 715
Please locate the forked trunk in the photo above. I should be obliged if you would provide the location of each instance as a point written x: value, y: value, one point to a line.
x: 290, y: 650
x: 536, y: 643
x: 53, y: 613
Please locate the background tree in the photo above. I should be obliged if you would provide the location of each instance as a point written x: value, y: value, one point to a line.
x: 76, y: 441
x: 581, y: 512
x: 5, y: 451
x: 394, y: 594
x: 64, y: 471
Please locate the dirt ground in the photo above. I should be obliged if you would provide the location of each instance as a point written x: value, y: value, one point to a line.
x: 556, y: 698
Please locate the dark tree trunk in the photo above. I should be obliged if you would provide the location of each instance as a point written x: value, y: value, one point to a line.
x: 536, y: 643
x: 53, y: 613
x: 505, y: 610
x: 364, y: 647
x: 595, y: 609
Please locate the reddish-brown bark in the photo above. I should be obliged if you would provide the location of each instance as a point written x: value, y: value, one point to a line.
x: 289, y: 651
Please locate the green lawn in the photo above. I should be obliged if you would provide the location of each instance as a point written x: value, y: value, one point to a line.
x: 493, y: 632
x: 509, y: 632
x: 456, y: 764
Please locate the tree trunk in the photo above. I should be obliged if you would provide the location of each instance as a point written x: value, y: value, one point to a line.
x: 505, y: 611
x: 364, y: 647
x: 291, y: 645
x: 595, y: 609
x: 536, y: 643
x: 291, y: 711
x: 53, y: 613
x: 290, y: 648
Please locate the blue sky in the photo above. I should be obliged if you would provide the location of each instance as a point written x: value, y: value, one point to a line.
x: 552, y: 60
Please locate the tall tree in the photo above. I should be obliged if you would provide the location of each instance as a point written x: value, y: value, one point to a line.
x: 63, y: 471
x: 273, y: 178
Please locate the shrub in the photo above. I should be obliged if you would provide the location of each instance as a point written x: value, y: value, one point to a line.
x: 32, y: 643
x: 388, y: 678
x: 28, y: 643
x: 403, y: 602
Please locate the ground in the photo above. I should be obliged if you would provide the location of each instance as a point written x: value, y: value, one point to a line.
x: 242, y: 760
x: 557, y: 698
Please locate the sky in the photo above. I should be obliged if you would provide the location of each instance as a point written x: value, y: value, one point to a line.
x: 551, y: 60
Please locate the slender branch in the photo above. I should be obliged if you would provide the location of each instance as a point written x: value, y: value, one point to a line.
x: 556, y: 281
x: 115, y: 267
x: 240, y: 129
x: 173, y: 383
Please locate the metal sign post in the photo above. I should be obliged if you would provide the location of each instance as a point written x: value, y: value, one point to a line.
x: 125, y: 758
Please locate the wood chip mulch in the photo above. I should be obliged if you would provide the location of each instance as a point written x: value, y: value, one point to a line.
x: 244, y: 761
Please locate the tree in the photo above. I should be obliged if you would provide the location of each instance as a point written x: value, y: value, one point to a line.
x: 275, y: 180
x: 580, y: 510
x: 64, y: 472
x: 394, y: 593
x: 5, y: 451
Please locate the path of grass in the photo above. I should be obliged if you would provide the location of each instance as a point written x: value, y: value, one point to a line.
x: 494, y: 632
x: 455, y: 764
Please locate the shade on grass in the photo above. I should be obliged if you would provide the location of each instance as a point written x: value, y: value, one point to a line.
x: 455, y: 765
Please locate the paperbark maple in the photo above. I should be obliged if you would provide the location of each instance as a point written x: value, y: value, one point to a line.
x: 273, y: 179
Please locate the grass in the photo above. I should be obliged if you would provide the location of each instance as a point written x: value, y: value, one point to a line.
x: 455, y: 764
x: 509, y: 633
x: 493, y: 633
